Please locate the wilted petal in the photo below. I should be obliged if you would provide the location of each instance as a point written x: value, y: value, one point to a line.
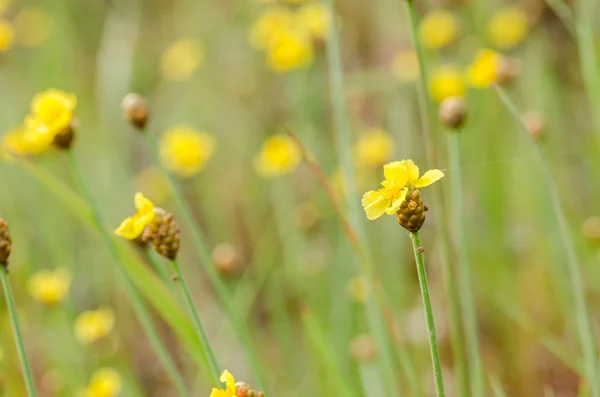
x: 428, y: 178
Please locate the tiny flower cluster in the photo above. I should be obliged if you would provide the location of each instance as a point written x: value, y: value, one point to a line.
x: 288, y: 35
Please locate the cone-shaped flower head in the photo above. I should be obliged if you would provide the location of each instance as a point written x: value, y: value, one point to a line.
x: 411, y: 214
x: 5, y: 243
x: 399, y: 175
x: 163, y: 233
x: 133, y: 226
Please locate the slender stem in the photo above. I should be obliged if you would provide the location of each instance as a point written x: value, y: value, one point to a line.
x: 210, y: 356
x: 14, y: 320
x: 433, y: 345
x: 464, y: 269
x: 584, y: 326
x: 135, y: 300
x: 450, y: 285
x: 205, y: 257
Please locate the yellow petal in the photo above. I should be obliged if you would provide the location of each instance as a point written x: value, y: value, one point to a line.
x: 428, y: 178
x: 396, y: 203
x: 412, y: 169
x: 142, y: 204
x: 129, y: 228
x: 229, y: 380
x: 219, y: 393
x: 395, y: 174
x: 375, y: 203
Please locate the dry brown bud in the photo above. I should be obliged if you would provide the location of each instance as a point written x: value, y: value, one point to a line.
x: 226, y: 258
x: 453, y: 112
x: 136, y: 110
x: 362, y: 348
x: 5, y: 244
x: 509, y: 68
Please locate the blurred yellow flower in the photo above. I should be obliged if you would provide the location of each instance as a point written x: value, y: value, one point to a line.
x: 230, y: 388
x: 484, y: 69
x: 105, y: 382
x: 446, y: 81
x: 438, y: 29
x: 185, y: 151
x: 289, y: 50
x: 50, y: 287
x: 134, y: 225
x: 181, y: 59
x: 405, y: 66
x: 33, y: 26
x: 7, y: 35
x: 358, y: 289
x: 374, y: 148
x: 508, y: 27
x: 315, y: 19
x: 51, y: 113
x: 21, y: 142
x: 93, y: 325
x: 398, y: 175
x: 273, y: 21
x: 278, y: 156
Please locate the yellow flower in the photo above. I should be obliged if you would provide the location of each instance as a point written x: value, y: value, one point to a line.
x: 274, y: 20
x: 134, y: 225
x: 185, y: 151
x: 484, y: 69
x: 51, y: 113
x: 230, y: 388
x: 181, y: 59
x: 7, y: 35
x: 278, y: 156
x: 33, y: 26
x: 106, y: 382
x: 21, y: 142
x: 50, y: 287
x: 374, y: 148
x: 93, y: 325
x: 398, y: 175
x: 446, y: 81
x: 289, y: 50
x: 438, y: 29
x: 405, y: 66
x: 508, y: 27
x: 314, y: 18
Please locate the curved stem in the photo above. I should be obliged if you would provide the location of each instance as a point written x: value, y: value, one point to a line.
x: 132, y: 295
x: 14, y: 320
x: 433, y: 344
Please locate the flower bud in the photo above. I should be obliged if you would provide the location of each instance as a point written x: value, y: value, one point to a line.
x: 135, y: 109
x: 508, y: 69
x: 226, y: 259
x: 453, y: 112
x: 5, y: 244
x: 411, y: 214
x: 64, y: 139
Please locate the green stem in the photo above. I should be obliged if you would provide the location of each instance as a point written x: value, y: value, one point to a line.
x: 213, y: 275
x: 581, y: 312
x: 464, y: 269
x: 14, y: 320
x: 210, y: 356
x: 135, y: 300
x: 450, y: 285
x: 433, y: 344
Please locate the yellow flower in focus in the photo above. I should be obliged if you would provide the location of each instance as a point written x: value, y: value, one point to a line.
x: 446, y: 81
x: 33, y: 26
x: 93, y: 325
x: 484, y: 69
x: 272, y: 22
x: 230, y: 388
x: 314, y: 18
x: 7, y: 35
x: 289, y: 50
x: 134, y: 225
x: 405, y: 66
x: 279, y: 155
x: 438, y: 29
x: 185, y: 151
x: 398, y: 175
x: 106, y: 382
x: 508, y: 27
x: 50, y: 287
x: 374, y: 148
x: 181, y: 59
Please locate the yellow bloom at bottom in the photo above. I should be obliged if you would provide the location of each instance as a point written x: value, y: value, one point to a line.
x: 93, y: 325
x: 106, y: 382
x: 279, y: 155
x: 445, y: 82
x: 50, y: 287
x: 185, y: 151
x: 484, y: 69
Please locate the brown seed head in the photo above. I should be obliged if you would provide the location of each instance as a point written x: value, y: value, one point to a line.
x: 136, y: 110
x: 64, y: 139
x: 5, y: 244
x: 453, y: 112
x: 411, y: 214
x: 163, y: 233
